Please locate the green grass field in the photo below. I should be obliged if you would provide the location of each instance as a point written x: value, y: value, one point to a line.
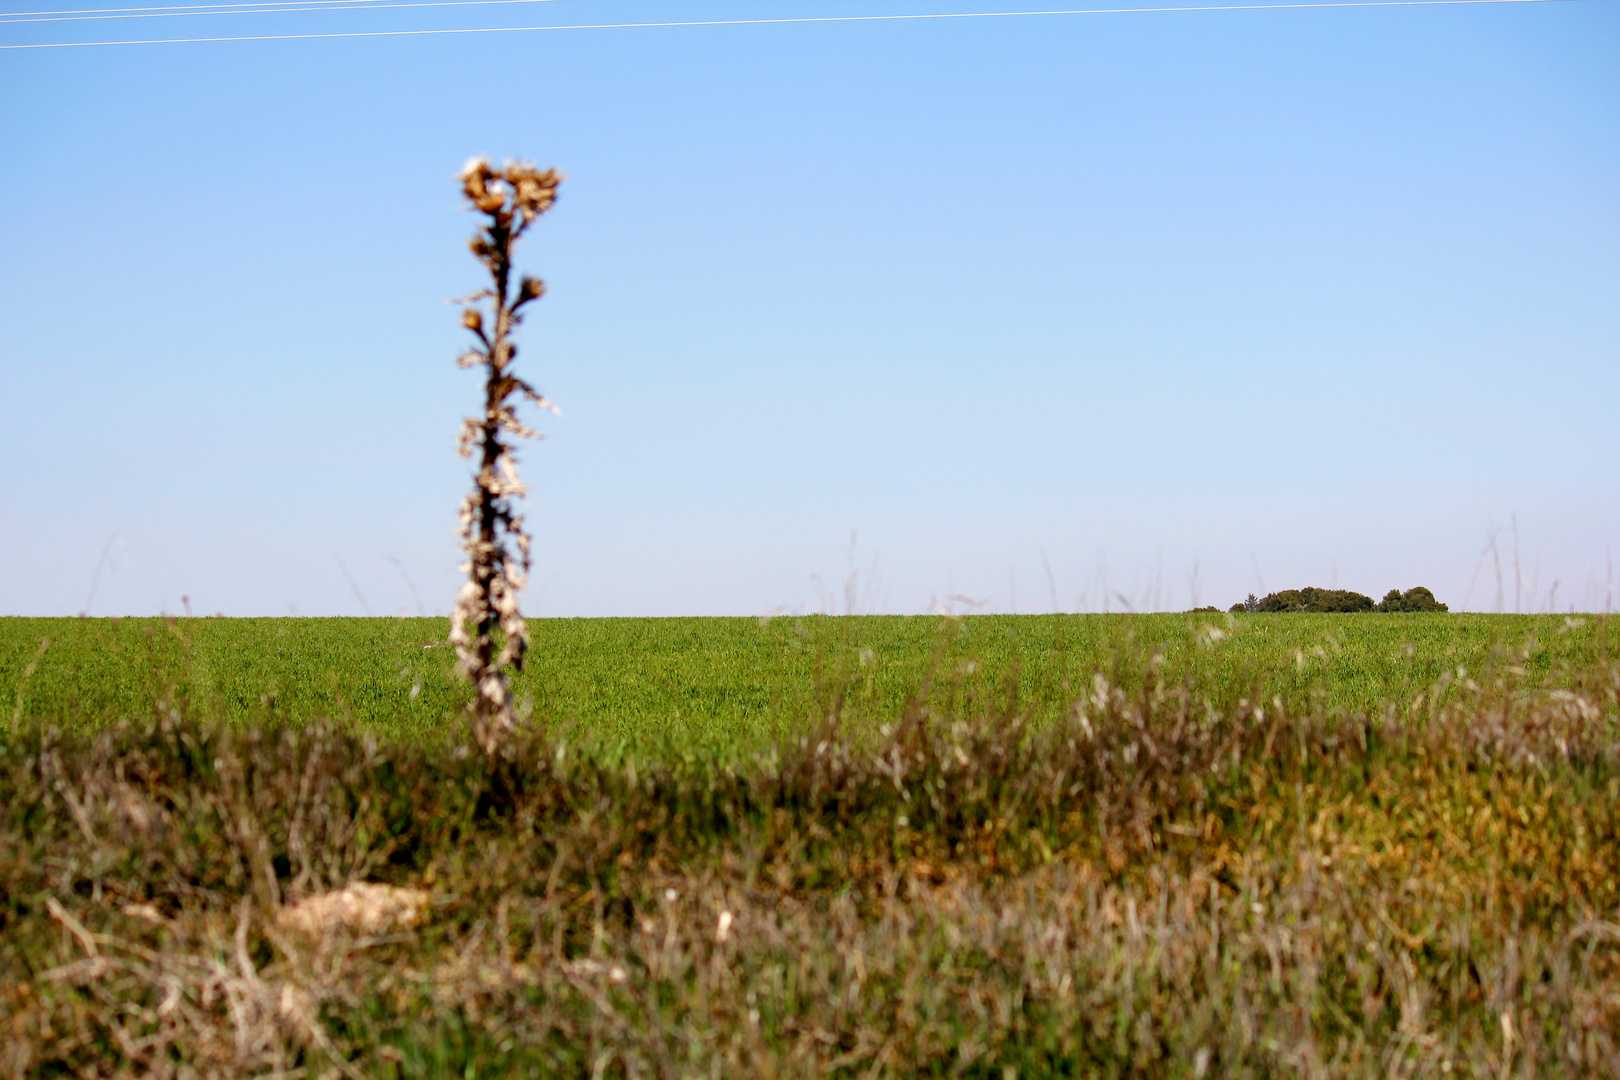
x: 719, y: 685
x: 1348, y: 846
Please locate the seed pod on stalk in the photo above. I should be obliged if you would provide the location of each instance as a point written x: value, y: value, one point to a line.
x: 487, y: 628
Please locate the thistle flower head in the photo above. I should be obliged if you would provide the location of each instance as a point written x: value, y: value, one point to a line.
x: 534, y: 191
x: 481, y: 184
x: 518, y: 189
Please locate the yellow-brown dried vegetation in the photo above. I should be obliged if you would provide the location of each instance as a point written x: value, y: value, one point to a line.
x: 1155, y: 886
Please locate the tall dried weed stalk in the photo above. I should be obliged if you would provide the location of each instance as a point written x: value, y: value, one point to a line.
x: 487, y: 629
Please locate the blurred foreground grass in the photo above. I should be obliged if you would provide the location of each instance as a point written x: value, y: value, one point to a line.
x: 732, y: 685
x: 1082, y: 847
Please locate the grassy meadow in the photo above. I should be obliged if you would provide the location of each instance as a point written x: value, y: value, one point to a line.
x: 727, y: 685
x: 1158, y: 845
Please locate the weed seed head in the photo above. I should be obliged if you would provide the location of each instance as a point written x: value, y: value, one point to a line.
x: 487, y: 628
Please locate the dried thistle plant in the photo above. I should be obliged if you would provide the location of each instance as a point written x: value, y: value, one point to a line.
x: 487, y: 629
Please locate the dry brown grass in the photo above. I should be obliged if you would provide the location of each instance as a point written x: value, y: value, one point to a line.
x: 1154, y: 887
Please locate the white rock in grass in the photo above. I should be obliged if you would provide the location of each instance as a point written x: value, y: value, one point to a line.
x: 361, y: 908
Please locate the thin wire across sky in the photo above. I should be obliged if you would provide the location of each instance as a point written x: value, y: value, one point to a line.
x: 363, y: 5
x: 276, y: 7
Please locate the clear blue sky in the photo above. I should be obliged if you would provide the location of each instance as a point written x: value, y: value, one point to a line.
x: 1182, y: 306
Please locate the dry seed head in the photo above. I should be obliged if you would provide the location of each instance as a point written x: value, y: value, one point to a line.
x: 492, y: 200
x: 520, y: 430
x: 517, y: 189
x: 464, y: 448
x: 481, y: 184
x: 534, y: 190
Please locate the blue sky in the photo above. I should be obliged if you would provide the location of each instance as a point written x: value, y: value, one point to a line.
x: 1080, y: 311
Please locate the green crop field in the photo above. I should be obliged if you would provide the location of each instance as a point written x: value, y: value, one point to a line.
x: 720, y: 684
x: 1352, y: 846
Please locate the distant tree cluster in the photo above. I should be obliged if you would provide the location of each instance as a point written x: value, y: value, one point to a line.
x: 1418, y: 599
x: 1311, y: 600
x: 1326, y: 600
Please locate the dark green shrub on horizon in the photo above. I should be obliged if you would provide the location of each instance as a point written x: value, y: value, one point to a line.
x: 1418, y: 599
x: 1316, y: 600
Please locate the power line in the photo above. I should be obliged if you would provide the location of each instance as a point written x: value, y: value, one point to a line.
x: 271, y: 8
x: 780, y: 21
x: 167, y: 7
